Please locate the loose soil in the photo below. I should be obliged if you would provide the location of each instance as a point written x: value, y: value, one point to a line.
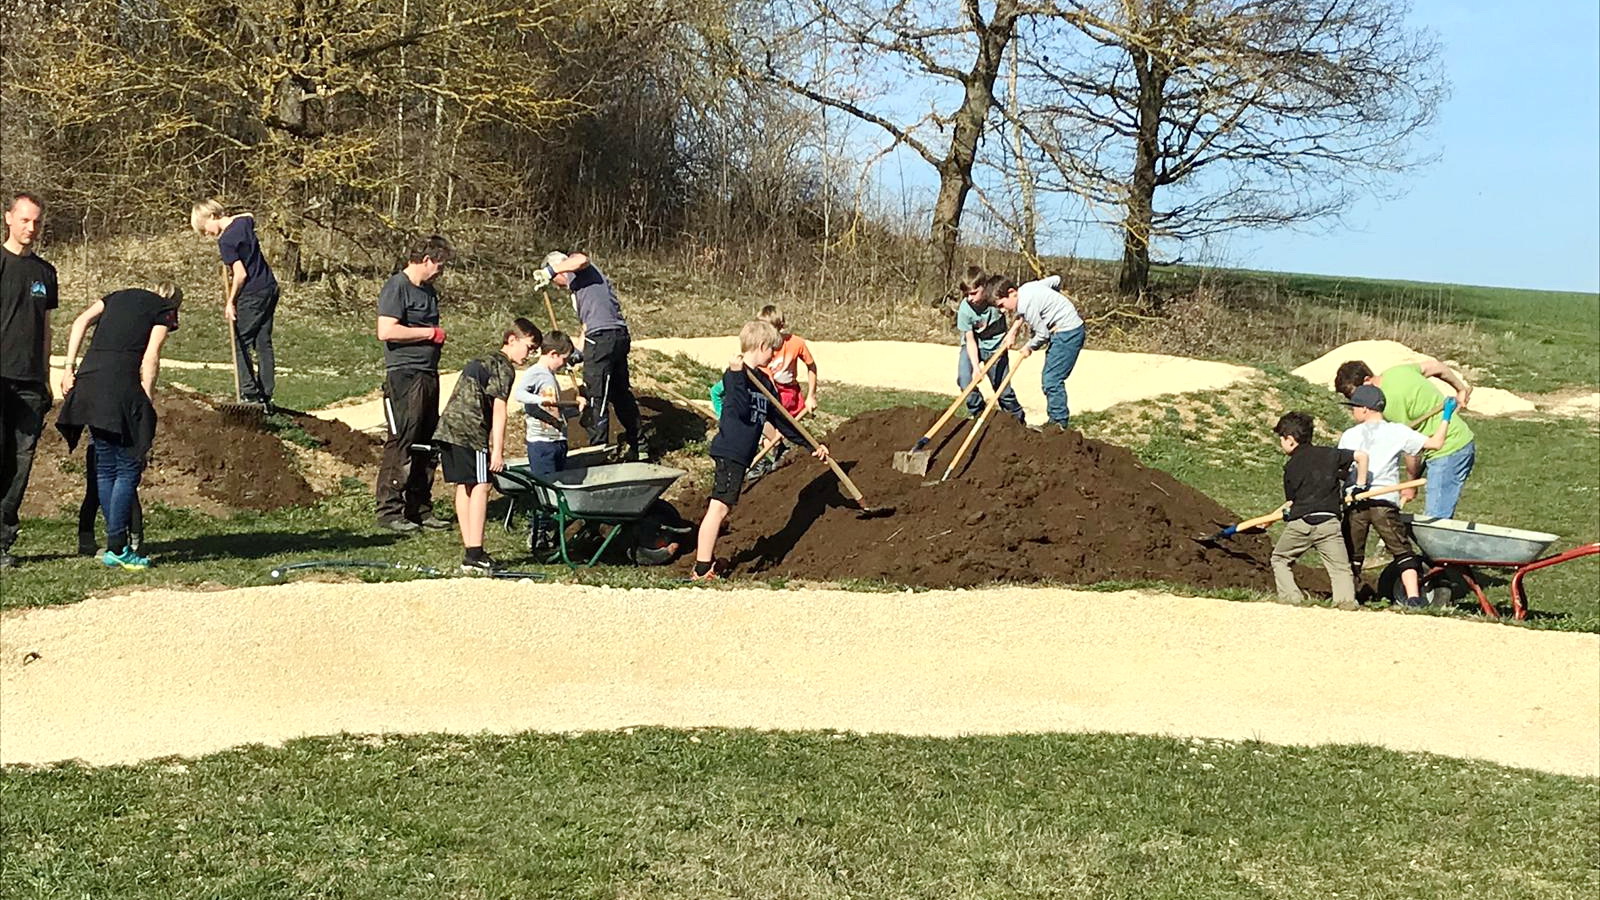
x: 206, y: 461
x: 1027, y: 507
x: 123, y: 679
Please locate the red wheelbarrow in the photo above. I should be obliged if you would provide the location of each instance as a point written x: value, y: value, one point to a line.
x: 1453, y: 548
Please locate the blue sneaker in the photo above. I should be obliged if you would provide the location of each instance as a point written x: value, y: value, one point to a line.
x: 127, y: 559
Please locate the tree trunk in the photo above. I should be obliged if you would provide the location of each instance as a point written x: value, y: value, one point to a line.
x: 1137, y: 222
x: 955, y: 172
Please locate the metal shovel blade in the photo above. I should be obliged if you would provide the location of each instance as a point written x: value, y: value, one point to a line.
x: 874, y: 512
x: 912, y: 462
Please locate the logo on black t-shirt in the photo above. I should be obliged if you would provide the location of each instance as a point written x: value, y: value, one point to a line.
x: 38, y: 291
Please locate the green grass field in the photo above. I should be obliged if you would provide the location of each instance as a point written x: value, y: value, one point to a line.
x: 725, y: 814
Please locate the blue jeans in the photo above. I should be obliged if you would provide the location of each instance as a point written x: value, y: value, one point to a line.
x: 1446, y: 476
x: 1059, y: 360
x: 117, y: 474
x: 1008, y: 400
x: 545, y: 459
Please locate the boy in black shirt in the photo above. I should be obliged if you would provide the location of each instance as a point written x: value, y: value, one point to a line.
x: 1314, y: 484
x: 745, y: 412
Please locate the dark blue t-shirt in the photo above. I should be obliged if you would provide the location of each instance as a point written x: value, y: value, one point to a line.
x: 238, y: 243
x: 744, y: 411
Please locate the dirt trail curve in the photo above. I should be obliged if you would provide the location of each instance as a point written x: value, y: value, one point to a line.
x: 160, y: 672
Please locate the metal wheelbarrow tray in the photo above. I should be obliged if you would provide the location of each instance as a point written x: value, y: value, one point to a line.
x: 1452, y: 548
x: 615, y: 495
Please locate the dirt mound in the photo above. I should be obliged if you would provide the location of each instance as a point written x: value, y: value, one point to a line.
x: 203, y: 460
x: 1029, y: 507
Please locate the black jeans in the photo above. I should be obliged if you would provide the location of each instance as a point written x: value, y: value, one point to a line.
x: 22, y: 408
x: 605, y: 384
x: 405, y: 477
x: 252, y: 330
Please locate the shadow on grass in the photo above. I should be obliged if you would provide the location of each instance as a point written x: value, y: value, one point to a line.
x: 262, y: 544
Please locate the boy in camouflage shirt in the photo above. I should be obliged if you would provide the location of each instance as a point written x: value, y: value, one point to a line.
x: 472, y: 432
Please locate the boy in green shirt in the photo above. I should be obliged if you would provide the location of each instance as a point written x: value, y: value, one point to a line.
x: 1414, y: 402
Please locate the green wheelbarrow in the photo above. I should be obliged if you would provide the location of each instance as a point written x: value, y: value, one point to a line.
x: 611, y: 498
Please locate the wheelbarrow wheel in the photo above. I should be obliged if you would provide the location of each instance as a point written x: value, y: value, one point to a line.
x: 1392, y: 589
x: 1445, y: 588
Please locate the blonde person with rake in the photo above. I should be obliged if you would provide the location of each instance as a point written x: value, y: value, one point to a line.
x: 745, y: 414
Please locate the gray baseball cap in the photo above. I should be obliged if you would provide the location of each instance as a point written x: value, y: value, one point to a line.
x: 1367, y: 396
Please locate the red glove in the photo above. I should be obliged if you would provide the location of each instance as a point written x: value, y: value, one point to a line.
x: 438, y: 335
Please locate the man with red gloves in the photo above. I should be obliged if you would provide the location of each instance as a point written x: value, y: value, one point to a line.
x: 408, y: 326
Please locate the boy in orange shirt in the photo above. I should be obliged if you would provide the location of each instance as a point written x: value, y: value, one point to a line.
x: 784, y: 369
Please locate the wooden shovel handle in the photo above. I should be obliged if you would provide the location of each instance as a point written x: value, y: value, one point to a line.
x: 983, y: 419
x: 1275, y: 515
x: 849, y: 486
x: 972, y: 385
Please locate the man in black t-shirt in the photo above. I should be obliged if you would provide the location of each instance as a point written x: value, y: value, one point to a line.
x: 408, y: 326
x: 27, y: 294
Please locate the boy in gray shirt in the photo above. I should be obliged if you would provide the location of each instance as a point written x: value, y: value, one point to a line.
x: 540, y: 395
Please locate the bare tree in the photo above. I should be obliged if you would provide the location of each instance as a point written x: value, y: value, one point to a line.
x: 883, y: 54
x: 1185, y: 118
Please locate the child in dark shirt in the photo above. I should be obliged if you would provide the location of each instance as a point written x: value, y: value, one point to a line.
x: 745, y: 412
x: 1314, y: 484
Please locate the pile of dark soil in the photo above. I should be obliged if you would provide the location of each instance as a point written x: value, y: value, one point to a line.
x: 1028, y: 507
x: 204, y: 460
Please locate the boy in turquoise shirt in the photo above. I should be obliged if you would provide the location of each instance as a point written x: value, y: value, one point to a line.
x: 982, y: 327
x: 1414, y: 402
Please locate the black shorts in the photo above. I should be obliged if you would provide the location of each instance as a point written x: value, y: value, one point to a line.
x: 729, y: 481
x: 463, y: 465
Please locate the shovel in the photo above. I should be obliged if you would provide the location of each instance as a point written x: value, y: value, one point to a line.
x: 866, y: 512
x: 915, y: 461
x: 977, y: 427
x: 1275, y: 515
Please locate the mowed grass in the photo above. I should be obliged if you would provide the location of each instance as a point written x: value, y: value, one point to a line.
x: 723, y: 814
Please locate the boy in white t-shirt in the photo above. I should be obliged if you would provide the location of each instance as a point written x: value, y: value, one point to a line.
x: 540, y: 395
x: 1386, y: 444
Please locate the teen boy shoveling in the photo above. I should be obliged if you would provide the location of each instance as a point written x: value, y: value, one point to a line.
x: 745, y: 412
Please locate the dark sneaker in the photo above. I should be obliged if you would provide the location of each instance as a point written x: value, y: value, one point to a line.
x: 1413, y: 603
x: 7, y: 561
x: 87, y: 545
x: 434, y: 523
x: 401, y: 526
x: 712, y: 575
x: 478, y: 565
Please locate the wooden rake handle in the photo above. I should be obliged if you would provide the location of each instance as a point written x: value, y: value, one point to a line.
x: 849, y: 486
x: 972, y: 385
x: 983, y: 419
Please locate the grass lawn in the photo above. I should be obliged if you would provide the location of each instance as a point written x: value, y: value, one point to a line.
x: 709, y: 814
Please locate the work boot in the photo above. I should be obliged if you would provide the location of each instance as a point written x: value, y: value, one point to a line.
x: 400, y: 526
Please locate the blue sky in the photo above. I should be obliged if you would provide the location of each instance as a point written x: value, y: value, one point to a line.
x: 1513, y: 199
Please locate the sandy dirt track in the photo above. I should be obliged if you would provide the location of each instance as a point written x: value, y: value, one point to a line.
x: 1101, y: 379
x: 161, y: 672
